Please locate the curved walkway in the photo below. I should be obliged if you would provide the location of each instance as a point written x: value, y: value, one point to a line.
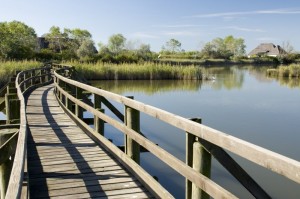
x: 63, y: 162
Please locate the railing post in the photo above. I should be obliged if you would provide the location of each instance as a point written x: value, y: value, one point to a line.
x: 68, y: 102
x: 32, y: 75
x: 5, y: 167
x: 98, y: 123
x: 11, y: 87
x: 200, y: 159
x: 12, y: 105
x: 132, y: 120
x: 63, y: 97
x: 78, y: 109
x: 25, y: 84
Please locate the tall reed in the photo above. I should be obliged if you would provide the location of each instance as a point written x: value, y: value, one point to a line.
x: 8, y: 68
x: 139, y: 71
x: 292, y: 71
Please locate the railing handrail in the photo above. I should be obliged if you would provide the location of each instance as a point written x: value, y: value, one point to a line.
x: 268, y: 159
x: 273, y: 161
x: 17, y: 173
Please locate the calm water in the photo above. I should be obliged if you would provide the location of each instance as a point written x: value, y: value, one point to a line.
x: 242, y: 102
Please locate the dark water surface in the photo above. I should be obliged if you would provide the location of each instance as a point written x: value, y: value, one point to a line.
x: 241, y: 101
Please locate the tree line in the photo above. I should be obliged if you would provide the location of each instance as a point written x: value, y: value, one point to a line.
x: 19, y: 41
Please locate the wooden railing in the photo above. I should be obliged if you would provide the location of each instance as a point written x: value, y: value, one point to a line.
x: 203, y: 142
x: 24, y: 83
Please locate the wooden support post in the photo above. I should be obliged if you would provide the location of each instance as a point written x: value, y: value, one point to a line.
x: 200, y: 160
x: 190, y: 139
x: 32, y: 73
x: 63, y: 97
x: 97, y: 101
x: 132, y: 120
x: 25, y: 84
x: 12, y: 105
x: 202, y: 164
x: 78, y: 109
x: 99, y: 124
x: 6, y: 165
x: 11, y: 88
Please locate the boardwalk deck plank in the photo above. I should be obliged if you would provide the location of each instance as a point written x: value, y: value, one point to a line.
x: 63, y: 162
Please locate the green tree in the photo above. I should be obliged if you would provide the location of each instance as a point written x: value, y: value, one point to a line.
x: 87, y: 50
x: 226, y: 48
x: 68, y: 41
x: 173, y: 45
x: 116, y: 43
x: 56, y: 39
x: 17, y: 40
x: 144, y: 51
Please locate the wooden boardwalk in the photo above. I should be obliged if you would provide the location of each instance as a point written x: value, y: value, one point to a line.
x: 63, y: 162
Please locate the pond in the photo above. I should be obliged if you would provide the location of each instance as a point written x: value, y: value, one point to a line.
x: 240, y: 101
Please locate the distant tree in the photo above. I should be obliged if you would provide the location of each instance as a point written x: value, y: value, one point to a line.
x: 78, y: 35
x: 17, y: 40
x: 87, y: 50
x: 226, y: 48
x: 68, y: 41
x: 144, y: 51
x: 116, y: 43
x: 56, y: 39
x: 287, y: 47
x: 173, y: 45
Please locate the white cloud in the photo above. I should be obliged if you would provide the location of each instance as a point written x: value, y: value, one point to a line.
x: 145, y: 35
x: 180, y: 26
x: 232, y: 14
x: 244, y: 29
x: 266, y: 39
x: 180, y: 33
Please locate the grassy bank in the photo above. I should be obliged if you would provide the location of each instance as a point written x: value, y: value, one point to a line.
x: 291, y: 71
x: 8, y: 68
x: 219, y: 62
x: 139, y: 71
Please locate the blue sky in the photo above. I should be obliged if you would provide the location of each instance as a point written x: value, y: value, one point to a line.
x: 154, y: 22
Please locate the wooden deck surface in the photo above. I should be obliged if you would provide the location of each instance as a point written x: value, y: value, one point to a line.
x: 63, y: 162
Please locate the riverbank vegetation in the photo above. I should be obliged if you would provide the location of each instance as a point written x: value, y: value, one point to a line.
x: 19, y: 41
x: 9, y: 68
x: 137, y: 71
x: 291, y: 71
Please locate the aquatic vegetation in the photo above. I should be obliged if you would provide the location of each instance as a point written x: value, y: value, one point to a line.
x: 291, y: 71
x: 137, y: 71
x: 9, y: 68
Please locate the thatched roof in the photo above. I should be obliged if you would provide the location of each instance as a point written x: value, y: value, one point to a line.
x: 267, y: 49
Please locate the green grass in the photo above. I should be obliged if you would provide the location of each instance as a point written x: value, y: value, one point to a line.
x: 139, y: 71
x: 8, y: 68
x: 291, y: 71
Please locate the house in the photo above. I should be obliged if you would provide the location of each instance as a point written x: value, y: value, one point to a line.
x: 267, y: 49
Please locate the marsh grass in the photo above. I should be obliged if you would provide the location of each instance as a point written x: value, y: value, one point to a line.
x: 291, y: 71
x: 8, y: 68
x: 138, y: 71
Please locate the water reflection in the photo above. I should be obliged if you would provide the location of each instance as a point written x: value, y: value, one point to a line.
x: 148, y: 87
x: 241, y: 101
x: 227, y: 77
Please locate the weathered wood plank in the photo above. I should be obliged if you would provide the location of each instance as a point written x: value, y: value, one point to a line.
x: 273, y: 161
x: 200, y: 180
x: 125, y: 193
x: 63, y: 160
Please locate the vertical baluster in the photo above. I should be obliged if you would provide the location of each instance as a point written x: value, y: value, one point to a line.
x: 132, y: 120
